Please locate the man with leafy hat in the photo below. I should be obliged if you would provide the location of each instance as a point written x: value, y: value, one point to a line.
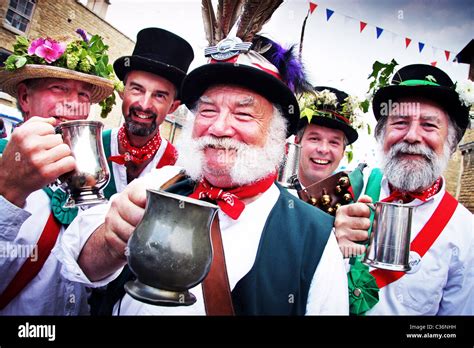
x: 324, y: 131
x: 152, y: 76
x: 52, y: 83
x: 279, y: 253
x: 422, y: 115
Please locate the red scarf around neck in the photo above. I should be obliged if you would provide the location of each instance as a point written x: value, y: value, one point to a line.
x: 136, y: 155
x: 407, y: 197
x: 230, y: 201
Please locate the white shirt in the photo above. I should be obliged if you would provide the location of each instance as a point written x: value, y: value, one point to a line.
x: 120, y: 171
x: 328, y: 290
x: 48, y: 293
x: 444, y: 282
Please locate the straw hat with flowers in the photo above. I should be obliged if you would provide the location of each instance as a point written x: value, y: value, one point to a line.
x: 83, y: 60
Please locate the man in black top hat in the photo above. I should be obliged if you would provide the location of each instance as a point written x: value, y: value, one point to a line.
x: 422, y: 115
x: 152, y: 76
x: 324, y: 131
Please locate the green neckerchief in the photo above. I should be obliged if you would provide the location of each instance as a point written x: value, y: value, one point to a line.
x: 363, y: 289
x: 3, y: 144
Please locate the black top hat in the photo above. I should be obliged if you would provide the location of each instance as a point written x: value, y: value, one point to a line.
x: 421, y: 80
x: 160, y: 52
x: 334, y: 116
x: 266, y: 73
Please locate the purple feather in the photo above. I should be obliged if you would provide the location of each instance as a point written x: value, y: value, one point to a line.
x: 83, y: 34
x: 290, y: 67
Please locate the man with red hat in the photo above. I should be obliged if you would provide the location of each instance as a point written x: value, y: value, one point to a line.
x: 422, y: 115
x: 279, y: 253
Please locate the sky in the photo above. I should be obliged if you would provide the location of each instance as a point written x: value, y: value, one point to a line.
x: 335, y: 52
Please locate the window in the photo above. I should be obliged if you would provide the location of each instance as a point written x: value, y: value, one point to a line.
x: 19, y: 14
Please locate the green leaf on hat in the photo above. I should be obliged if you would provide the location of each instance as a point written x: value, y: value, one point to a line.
x: 307, y: 112
x: 20, y: 62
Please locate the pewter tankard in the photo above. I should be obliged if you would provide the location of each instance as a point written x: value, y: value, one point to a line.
x: 288, y: 172
x: 84, y: 184
x: 389, y: 243
x: 170, y: 250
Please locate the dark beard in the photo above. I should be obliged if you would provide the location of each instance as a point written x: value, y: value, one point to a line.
x: 137, y: 128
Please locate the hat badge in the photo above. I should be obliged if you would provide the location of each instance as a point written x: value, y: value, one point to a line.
x: 227, y: 48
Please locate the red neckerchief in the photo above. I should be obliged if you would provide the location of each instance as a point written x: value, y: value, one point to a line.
x: 136, y: 155
x: 407, y: 197
x: 230, y: 201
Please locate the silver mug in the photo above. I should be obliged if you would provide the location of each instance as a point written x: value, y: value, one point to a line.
x: 170, y: 250
x: 389, y: 242
x: 288, y: 172
x: 84, y: 184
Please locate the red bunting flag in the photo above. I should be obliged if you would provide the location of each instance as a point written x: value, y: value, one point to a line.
x: 434, y: 63
x: 407, y: 42
x: 312, y: 7
x: 362, y: 26
x: 447, y: 53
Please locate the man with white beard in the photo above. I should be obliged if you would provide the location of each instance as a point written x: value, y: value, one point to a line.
x: 280, y: 255
x: 427, y: 117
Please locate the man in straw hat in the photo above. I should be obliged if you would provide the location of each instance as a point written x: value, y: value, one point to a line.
x: 52, y: 85
x: 278, y: 252
x: 421, y: 117
x: 152, y: 76
x: 324, y: 133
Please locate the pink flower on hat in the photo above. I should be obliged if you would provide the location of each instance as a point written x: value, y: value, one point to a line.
x: 48, y: 49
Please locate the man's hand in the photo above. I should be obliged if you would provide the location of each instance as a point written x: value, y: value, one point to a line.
x: 33, y: 158
x: 104, y: 252
x: 351, y: 225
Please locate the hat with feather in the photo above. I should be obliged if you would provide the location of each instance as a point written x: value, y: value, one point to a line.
x: 238, y: 56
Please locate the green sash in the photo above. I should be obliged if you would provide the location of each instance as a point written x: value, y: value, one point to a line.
x: 363, y: 289
x: 110, y: 189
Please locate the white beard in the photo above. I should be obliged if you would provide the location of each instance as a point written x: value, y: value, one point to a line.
x: 251, y: 163
x: 408, y: 175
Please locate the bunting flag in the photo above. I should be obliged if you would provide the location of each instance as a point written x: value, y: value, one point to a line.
x: 379, y: 31
x: 407, y: 42
x: 329, y: 13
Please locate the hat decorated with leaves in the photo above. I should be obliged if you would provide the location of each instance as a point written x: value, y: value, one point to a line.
x: 331, y: 108
x: 428, y: 82
x: 84, y: 59
x: 238, y: 56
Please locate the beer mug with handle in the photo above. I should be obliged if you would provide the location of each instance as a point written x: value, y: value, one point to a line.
x: 84, y: 185
x: 389, y: 242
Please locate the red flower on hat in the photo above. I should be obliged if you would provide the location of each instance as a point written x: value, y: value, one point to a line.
x: 48, y: 49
